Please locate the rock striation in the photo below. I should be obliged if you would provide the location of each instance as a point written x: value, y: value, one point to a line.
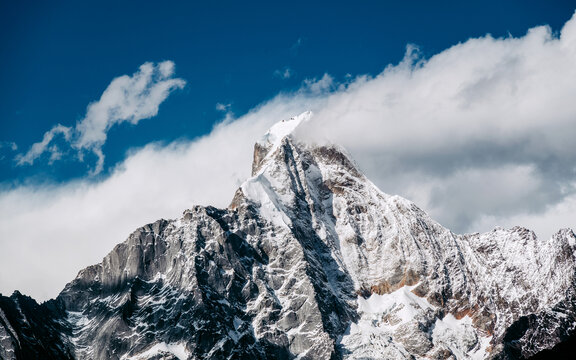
x: 310, y: 261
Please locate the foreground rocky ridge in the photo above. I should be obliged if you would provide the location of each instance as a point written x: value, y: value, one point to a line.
x: 312, y: 261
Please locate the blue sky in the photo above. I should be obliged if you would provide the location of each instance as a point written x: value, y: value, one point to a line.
x: 55, y: 59
x: 465, y: 108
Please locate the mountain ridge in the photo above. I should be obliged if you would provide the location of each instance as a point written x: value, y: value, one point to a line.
x: 312, y: 260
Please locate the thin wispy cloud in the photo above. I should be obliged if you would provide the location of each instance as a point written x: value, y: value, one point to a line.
x: 322, y: 86
x: 223, y: 107
x: 7, y: 147
x: 285, y: 73
x: 228, y: 113
x: 43, y: 146
x: 127, y: 99
x: 295, y: 48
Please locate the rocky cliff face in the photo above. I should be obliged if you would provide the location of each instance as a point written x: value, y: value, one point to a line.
x: 32, y: 331
x: 309, y: 261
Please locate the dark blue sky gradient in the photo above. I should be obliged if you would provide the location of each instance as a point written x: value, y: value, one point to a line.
x: 57, y: 57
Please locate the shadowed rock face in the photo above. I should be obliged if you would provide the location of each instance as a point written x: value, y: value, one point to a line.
x: 310, y: 260
x: 32, y: 331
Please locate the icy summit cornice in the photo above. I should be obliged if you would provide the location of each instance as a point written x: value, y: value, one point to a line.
x: 273, y: 137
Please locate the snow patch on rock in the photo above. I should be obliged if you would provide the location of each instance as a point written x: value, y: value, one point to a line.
x: 159, y: 349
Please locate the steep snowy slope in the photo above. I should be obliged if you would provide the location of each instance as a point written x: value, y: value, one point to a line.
x: 312, y: 261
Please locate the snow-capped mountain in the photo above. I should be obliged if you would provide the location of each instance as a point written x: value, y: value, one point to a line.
x: 310, y: 261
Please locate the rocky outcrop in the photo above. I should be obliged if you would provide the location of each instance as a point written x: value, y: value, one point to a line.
x: 310, y: 261
x: 29, y: 330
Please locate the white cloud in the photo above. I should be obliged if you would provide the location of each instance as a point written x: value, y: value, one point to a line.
x: 228, y: 114
x: 496, y: 190
x: 546, y: 223
x: 318, y: 86
x: 126, y: 99
x: 223, y: 107
x: 9, y: 145
x: 485, y: 106
x: 39, y: 148
x: 285, y: 73
x: 479, y: 135
x: 295, y: 48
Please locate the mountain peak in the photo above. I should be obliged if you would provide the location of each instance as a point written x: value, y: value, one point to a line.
x: 283, y: 128
x: 272, y: 140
